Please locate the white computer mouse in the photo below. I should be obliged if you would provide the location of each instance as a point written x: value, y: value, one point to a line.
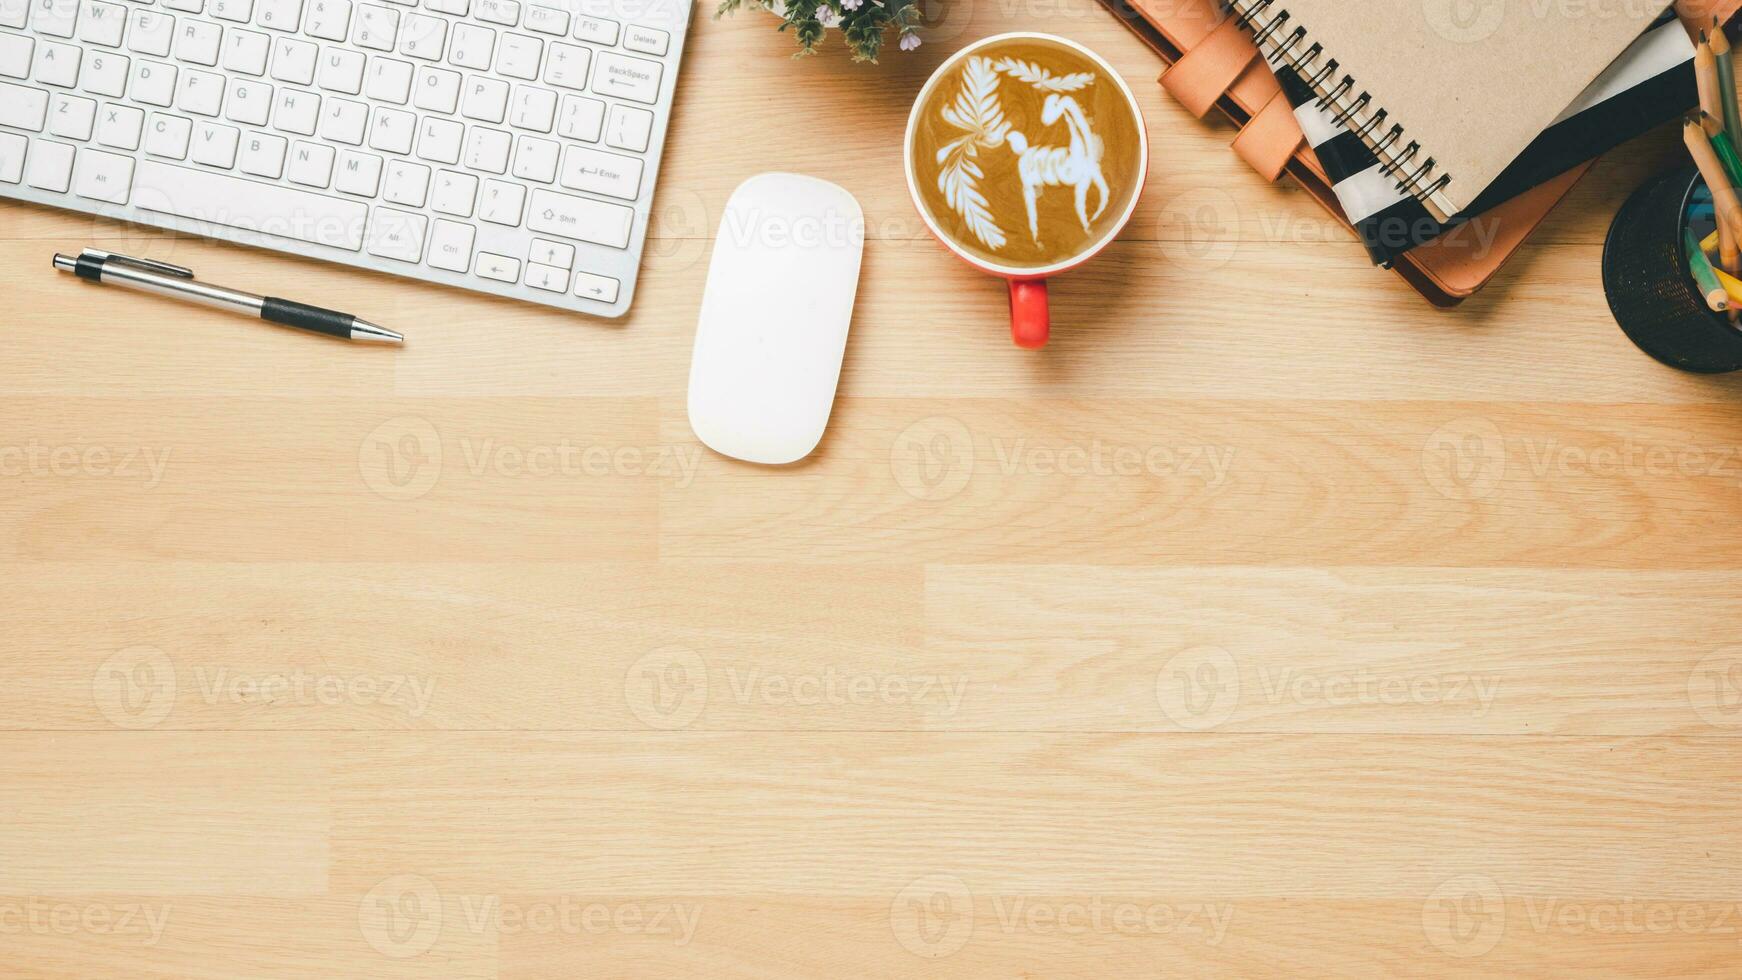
x: 774, y: 318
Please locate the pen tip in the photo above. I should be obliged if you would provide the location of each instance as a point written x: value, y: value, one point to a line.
x: 366, y: 331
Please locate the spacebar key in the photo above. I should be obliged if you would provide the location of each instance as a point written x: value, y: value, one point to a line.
x: 269, y: 209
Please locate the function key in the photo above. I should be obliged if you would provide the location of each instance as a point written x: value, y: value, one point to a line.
x: 596, y: 29
x: 646, y: 40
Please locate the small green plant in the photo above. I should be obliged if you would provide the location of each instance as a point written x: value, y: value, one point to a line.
x: 865, y: 23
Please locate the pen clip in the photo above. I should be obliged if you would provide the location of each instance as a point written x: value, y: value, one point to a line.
x: 149, y: 265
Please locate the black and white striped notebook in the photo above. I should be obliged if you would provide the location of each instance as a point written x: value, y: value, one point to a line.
x: 1651, y: 82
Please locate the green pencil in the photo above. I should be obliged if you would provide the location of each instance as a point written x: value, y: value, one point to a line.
x: 1701, y: 269
x: 1727, y: 80
x: 1721, y: 142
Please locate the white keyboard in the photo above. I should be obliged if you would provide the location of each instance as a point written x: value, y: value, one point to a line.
x: 496, y: 145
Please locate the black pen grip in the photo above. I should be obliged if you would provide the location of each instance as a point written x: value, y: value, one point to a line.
x: 306, y: 317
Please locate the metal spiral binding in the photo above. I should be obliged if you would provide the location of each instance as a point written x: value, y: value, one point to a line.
x: 1418, y: 182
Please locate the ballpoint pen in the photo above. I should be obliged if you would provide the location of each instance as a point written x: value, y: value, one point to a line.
x: 175, y: 281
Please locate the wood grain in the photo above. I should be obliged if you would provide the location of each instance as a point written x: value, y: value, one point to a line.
x: 1271, y: 622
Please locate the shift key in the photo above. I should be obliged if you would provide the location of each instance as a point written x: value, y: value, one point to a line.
x: 580, y: 218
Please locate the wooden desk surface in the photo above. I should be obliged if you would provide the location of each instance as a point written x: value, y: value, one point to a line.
x: 1271, y: 620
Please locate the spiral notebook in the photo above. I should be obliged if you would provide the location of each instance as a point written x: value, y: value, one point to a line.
x: 1446, y: 94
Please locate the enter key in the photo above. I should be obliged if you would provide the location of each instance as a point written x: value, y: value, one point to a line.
x: 597, y: 172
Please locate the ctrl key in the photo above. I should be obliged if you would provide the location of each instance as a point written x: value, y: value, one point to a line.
x: 600, y: 288
x: 11, y: 158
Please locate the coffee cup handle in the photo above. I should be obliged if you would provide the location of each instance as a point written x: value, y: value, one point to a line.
x: 1029, y: 322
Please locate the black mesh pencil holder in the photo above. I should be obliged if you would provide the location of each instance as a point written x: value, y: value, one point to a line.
x: 1645, y: 274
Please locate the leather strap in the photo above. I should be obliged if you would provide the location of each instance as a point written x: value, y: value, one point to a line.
x: 1204, y: 74
x: 1271, y: 139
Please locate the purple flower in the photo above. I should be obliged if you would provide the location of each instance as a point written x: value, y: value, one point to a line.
x: 852, y: 4
x: 827, y: 17
x: 909, y: 42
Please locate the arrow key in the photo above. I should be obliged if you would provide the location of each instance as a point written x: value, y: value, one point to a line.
x: 601, y: 288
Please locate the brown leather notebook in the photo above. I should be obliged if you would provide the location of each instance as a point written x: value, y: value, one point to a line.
x: 1213, y: 64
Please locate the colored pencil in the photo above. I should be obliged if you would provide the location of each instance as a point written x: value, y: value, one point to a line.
x: 1729, y: 208
x: 1705, y: 276
x: 1732, y: 287
x: 1706, y: 73
x: 1726, y: 151
x: 1727, y: 79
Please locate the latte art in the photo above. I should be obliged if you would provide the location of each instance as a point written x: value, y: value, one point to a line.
x: 1026, y: 155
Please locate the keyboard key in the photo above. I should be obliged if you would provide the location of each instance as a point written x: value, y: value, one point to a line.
x: 376, y: 27
x: 167, y: 135
x: 473, y: 47
x: 151, y: 33
x: 396, y: 234
x: 501, y: 202
x: 278, y: 15
x: 486, y: 99
x: 12, y: 158
x: 202, y: 195
x: 186, y: 6
x: 296, y: 112
x: 458, y: 8
x: 389, y: 81
x: 340, y: 70
x: 630, y: 128
x: 392, y: 130
x: 406, y: 183
x: 547, y: 277
x: 580, y: 218
x: 487, y: 149
x: 499, y: 267
x: 49, y: 166
x: 439, y: 140
x: 250, y: 103
x: 580, y: 119
x: 103, y: 176
x: 450, y: 245
x: 239, y: 11
x: 102, y: 23
x: 57, y: 64
x: 15, y: 52
x: 423, y: 36
x: 551, y: 253
x: 454, y: 193
x: 263, y: 155
x: 14, y: 13
x: 636, y: 79
x: 198, y: 42
x: 504, y: 12
x: 595, y: 287
x: 343, y: 121
x: 518, y: 56
x: 53, y: 18
x: 646, y: 40
x: 311, y: 164
x: 567, y: 65
x: 329, y: 20
x: 437, y: 90
x: 104, y: 74
x: 358, y: 173
x: 547, y: 20
x: 246, y: 51
x: 536, y: 159
x: 215, y: 145
x: 119, y: 126
x: 294, y: 61
x: 23, y: 108
x: 202, y: 92
x: 597, y: 172
x: 71, y: 116
x: 596, y: 29
x: 153, y: 83
x: 534, y: 108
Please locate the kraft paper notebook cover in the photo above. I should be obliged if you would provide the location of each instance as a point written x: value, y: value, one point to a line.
x: 1447, y: 93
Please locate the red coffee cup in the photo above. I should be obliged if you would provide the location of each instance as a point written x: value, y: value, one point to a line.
x: 1030, y: 323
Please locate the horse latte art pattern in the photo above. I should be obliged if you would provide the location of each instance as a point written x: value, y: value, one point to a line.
x: 978, y: 113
